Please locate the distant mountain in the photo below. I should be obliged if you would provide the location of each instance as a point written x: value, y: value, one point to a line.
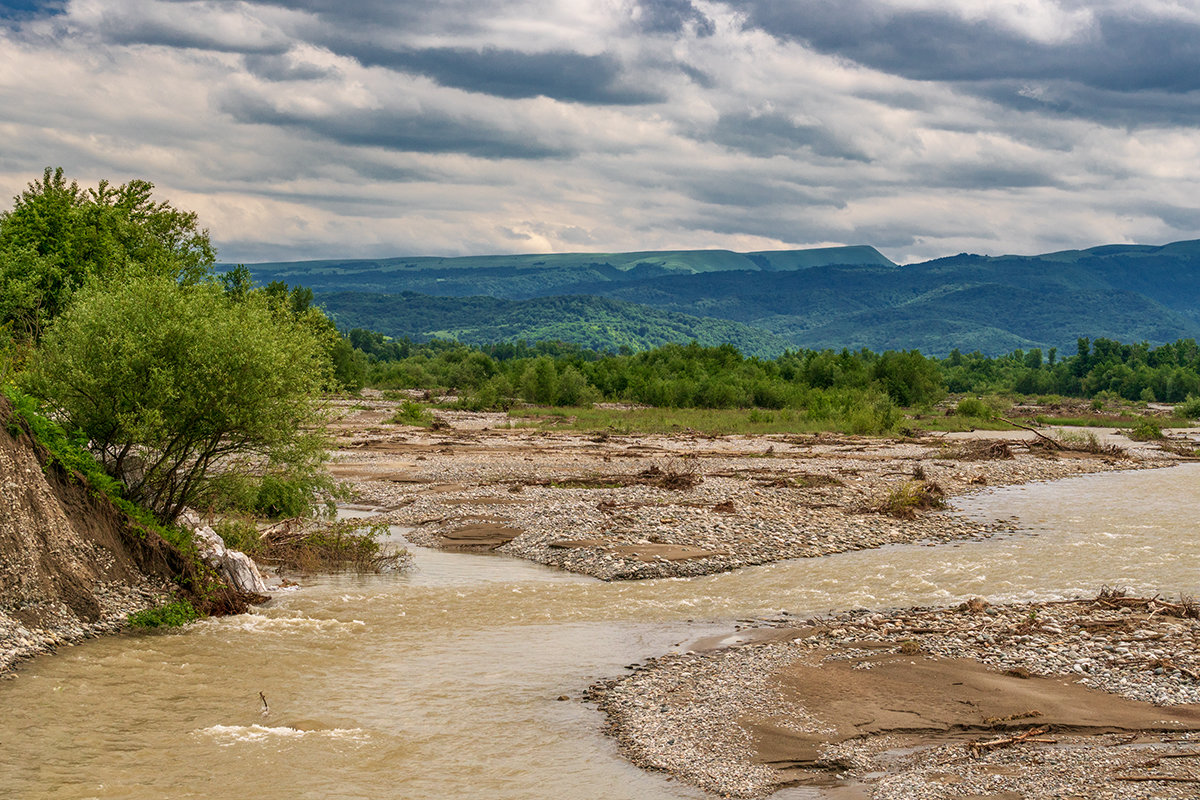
x: 831, y: 297
x: 523, y: 276
x: 593, y: 322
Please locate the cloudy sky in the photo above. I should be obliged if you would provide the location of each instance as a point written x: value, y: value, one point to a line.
x: 320, y: 128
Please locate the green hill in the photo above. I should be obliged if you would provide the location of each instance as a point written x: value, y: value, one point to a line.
x: 592, y: 322
x: 830, y: 297
x: 523, y: 276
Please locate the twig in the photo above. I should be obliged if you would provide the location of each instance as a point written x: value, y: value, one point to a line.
x: 1148, y: 778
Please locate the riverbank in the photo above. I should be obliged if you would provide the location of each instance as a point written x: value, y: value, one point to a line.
x: 1091, y: 698
x: 621, y: 507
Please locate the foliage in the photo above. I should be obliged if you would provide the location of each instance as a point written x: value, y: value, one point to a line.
x: 60, y: 237
x: 905, y: 500
x: 1146, y: 430
x: 171, y: 615
x: 592, y: 322
x: 240, y: 534
x: 1189, y: 408
x: 974, y: 408
x: 169, y: 383
x: 410, y: 413
x: 345, y: 545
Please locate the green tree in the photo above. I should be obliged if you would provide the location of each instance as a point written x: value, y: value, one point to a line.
x: 58, y: 237
x: 173, y: 384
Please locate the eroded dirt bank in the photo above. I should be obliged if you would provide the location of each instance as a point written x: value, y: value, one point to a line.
x: 72, y: 565
x: 628, y: 507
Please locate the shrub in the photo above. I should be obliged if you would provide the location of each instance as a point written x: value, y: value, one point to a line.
x: 410, y: 413
x: 1146, y: 429
x: 239, y: 534
x: 174, y: 384
x: 171, y: 615
x: 974, y: 408
x: 1189, y: 408
x: 907, y: 499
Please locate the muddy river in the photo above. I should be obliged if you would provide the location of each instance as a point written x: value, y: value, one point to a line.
x: 445, y: 681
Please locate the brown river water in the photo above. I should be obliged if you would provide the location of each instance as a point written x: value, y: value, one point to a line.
x: 443, y: 682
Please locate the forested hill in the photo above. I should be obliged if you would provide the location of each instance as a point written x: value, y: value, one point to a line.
x: 594, y: 323
x: 834, y: 297
x: 522, y: 276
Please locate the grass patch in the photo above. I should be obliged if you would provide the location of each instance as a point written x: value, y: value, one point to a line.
x: 955, y: 423
x: 905, y: 500
x: 410, y: 413
x: 171, y: 615
x: 717, y: 421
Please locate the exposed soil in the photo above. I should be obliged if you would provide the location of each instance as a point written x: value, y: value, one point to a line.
x: 71, y: 563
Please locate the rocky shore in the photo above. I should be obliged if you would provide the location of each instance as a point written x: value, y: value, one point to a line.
x: 1092, y: 698
x: 632, y: 507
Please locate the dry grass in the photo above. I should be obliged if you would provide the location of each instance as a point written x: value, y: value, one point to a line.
x: 911, y: 497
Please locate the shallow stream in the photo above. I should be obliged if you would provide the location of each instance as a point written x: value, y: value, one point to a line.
x: 444, y: 682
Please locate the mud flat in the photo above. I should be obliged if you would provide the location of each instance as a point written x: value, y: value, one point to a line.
x: 1093, y: 698
x: 621, y: 507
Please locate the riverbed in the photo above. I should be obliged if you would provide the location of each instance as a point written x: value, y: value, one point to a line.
x: 445, y: 681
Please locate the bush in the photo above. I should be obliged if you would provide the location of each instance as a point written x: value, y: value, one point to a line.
x: 1189, y: 408
x: 239, y: 534
x: 171, y: 615
x: 410, y: 413
x: 1146, y: 429
x: 174, y: 384
x: 906, y: 500
x: 974, y: 408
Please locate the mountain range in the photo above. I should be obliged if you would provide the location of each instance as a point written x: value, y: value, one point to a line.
x: 768, y: 301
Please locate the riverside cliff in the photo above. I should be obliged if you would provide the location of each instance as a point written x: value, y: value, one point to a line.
x: 72, y: 564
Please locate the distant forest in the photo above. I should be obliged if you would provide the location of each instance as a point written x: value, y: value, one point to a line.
x: 695, y: 376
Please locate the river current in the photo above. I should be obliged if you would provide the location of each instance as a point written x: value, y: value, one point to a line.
x: 443, y: 682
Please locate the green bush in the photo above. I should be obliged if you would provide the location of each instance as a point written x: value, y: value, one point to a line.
x: 974, y: 408
x: 1146, y: 429
x: 171, y: 615
x: 173, y: 384
x: 281, y: 498
x: 239, y: 534
x: 410, y: 413
x: 1189, y: 408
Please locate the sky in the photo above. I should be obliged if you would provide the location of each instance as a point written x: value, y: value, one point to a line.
x: 375, y: 128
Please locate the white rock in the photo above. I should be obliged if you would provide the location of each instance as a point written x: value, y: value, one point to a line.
x: 232, y: 565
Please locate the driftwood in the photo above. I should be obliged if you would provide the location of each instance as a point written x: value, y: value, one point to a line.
x: 1055, y: 444
x: 1164, y: 778
x: 978, y: 748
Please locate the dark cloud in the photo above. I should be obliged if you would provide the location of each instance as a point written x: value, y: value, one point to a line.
x: 672, y: 16
x: 562, y: 75
x: 394, y: 129
x: 988, y: 176
x: 773, y: 134
x: 125, y: 30
x: 277, y: 67
x: 1114, y: 61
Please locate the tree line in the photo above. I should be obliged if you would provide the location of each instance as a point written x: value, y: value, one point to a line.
x: 692, y: 376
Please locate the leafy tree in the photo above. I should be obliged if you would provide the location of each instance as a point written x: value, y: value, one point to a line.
x: 173, y: 384
x: 58, y: 237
